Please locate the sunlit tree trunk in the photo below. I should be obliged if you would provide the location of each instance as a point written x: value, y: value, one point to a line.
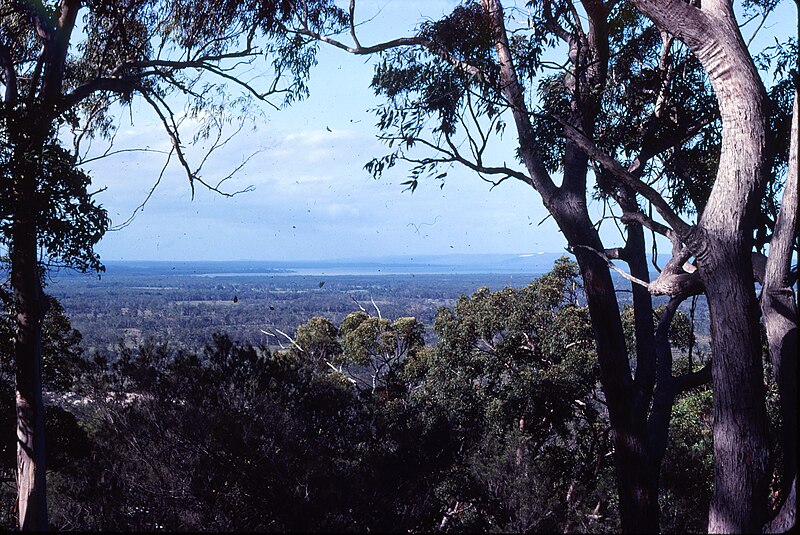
x: 28, y: 134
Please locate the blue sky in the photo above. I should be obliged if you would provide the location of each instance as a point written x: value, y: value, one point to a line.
x: 311, y: 198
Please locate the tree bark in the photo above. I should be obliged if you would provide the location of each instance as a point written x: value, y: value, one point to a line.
x: 30, y: 307
x: 31, y: 130
x: 722, y: 245
x: 30, y: 407
x: 636, y: 486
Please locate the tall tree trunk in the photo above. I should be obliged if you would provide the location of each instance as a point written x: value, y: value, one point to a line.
x: 721, y: 244
x: 637, y: 485
x: 638, y: 505
x: 30, y: 307
x: 644, y: 379
x: 34, y: 126
x: 738, y: 502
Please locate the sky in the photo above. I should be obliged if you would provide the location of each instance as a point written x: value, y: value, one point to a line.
x: 311, y: 197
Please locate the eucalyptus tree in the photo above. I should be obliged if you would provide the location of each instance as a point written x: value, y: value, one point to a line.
x: 673, y: 128
x: 71, y: 65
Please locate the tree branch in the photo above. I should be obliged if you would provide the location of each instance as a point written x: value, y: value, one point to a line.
x: 172, y: 132
x: 694, y: 379
x: 124, y: 86
x: 512, y: 92
x: 683, y: 20
x: 779, y: 261
x: 624, y: 176
x: 673, y: 280
x: 603, y: 255
x: 57, y: 47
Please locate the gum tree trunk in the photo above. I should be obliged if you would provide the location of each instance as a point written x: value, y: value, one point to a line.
x: 722, y: 244
x: 627, y: 400
x: 29, y: 133
x: 29, y: 305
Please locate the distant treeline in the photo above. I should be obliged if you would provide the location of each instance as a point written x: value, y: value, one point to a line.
x: 185, y: 310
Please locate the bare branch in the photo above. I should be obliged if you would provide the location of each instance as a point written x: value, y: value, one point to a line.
x: 376, y: 308
x: 363, y: 50
x: 357, y: 303
x: 758, y: 28
x: 146, y: 199
x: 172, y: 132
x: 674, y: 280
x: 353, y: 23
x: 290, y: 339
x: 602, y: 255
x: 648, y: 222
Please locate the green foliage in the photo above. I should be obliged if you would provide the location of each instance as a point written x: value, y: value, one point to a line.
x: 319, y: 341
x: 376, y: 350
x: 515, y: 374
x: 687, y: 470
x: 70, y: 223
x: 238, y: 438
x: 62, y: 354
x: 497, y: 426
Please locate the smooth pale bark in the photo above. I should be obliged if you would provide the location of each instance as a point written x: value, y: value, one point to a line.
x: 31, y: 493
x: 722, y: 245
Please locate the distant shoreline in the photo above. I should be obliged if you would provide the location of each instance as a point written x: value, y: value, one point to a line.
x: 449, y: 264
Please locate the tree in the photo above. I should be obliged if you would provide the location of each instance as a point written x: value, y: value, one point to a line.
x: 59, y: 75
x: 690, y: 119
x: 62, y: 367
x: 515, y: 373
x: 722, y: 244
x: 379, y: 349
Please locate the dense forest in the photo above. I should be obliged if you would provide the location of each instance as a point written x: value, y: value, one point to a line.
x: 586, y: 400
x: 356, y: 424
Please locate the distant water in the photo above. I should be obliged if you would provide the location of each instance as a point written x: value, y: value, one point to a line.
x: 452, y: 264
x: 421, y: 265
